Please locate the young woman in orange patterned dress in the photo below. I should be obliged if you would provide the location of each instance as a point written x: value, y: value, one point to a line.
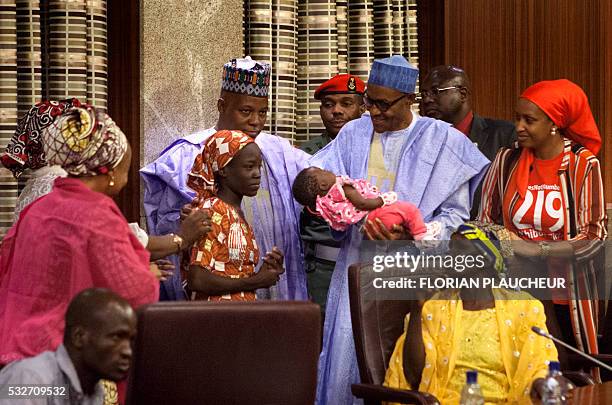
x: 222, y: 265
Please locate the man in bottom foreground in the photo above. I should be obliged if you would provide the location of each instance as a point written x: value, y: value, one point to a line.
x: 95, y: 353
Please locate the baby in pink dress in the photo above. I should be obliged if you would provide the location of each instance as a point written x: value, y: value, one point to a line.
x: 342, y: 202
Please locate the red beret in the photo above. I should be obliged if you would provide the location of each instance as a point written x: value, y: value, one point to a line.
x: 341, y: 84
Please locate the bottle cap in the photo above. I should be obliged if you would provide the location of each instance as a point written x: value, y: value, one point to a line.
x: 472, y: 377
x: 554, y: 366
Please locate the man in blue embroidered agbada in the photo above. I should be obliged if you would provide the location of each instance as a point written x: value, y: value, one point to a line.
x: 274, y: 215
x: 426, y: 161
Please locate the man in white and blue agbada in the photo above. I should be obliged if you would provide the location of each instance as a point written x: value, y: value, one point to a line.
x: 426, y: 161
x: 273, y: 213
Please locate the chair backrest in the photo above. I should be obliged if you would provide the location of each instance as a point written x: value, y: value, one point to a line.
x: 377, y: 323
x: 226, y: 353
x: 606, y: 347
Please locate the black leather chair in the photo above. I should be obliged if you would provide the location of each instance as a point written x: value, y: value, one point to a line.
x: 226, y: 353
x: 376, y: 326
x: 577, y: 362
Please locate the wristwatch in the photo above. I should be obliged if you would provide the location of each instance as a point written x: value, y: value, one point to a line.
x: 178, y: 241
x: 544, y: 249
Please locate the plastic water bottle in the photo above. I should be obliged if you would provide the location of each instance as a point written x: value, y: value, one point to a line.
x: 471, y: 393
x: 553, y: 387
x: 559, y: 377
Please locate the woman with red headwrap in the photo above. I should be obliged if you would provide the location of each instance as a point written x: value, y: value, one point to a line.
x: 223, y: 262
x: 549, y: 188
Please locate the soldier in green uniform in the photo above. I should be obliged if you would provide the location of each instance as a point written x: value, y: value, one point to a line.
x: 341, y: 101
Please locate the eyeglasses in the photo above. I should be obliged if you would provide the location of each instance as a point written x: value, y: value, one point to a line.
x: 380, y: 104
x: 435, y: 92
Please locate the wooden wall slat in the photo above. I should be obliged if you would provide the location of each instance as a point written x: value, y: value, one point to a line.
x: 123, y: 19
x: 430, y: 20
x: 507, y: 45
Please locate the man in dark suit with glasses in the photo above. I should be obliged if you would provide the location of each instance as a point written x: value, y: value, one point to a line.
x: 446, y: 95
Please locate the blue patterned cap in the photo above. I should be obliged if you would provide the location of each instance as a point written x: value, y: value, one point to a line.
x: 394, y: 72
x: 246, y: 76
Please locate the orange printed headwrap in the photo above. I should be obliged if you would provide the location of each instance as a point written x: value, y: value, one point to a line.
x: 218, y: 152
x: 568, y: 107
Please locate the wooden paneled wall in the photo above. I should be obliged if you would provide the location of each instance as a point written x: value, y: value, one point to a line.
x: 124, y: 91
x: 506, y: 45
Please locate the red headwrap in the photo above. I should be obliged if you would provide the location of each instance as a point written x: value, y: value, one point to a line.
x: 218, y: 152
x: 568, y: 107
x: 25, y: 149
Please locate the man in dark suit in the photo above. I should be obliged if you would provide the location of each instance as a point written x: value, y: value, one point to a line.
x: 445, y: 95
